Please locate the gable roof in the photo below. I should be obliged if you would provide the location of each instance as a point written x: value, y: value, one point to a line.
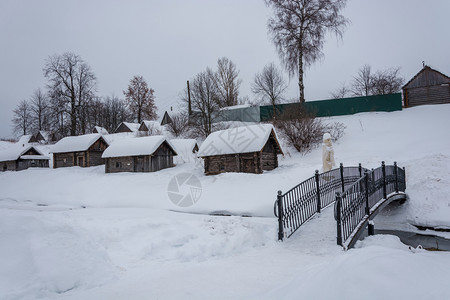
x: 166, y: 118
x: 426, y: 69
x: 24, y: 139
x: 133, y: 127
x: 136, y: 146
x: 16, y: 151
x: 99, y: 129
x: 76, y: 143
x: 184, y: 145
x: 244, y: 139
x: 146, y: 125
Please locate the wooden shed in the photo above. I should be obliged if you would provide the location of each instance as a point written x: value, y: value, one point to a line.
x: 142, y: 154
x: 43, y: 137
x: 99, y: 129
x: 19, y: 157
x: 247, y: 149
x: 427, y: 87
x: 166, y: 119
x: 186, y: 149
x: 83, y: 151
x: 127, y: 127
x: 150, y: 128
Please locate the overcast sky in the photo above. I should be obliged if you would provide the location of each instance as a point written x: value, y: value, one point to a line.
x: 168, y: 42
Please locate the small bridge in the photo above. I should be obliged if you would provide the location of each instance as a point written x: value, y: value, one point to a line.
x: 358, y: 195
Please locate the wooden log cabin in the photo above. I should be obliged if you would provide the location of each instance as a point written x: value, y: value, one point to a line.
x: 247, y: 149
x: 20, y: 157
x: 427, y: 87
x: 83, y: 151
x: 142, y: 154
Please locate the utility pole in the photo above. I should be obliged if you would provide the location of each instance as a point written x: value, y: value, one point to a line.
x: 189, y: 99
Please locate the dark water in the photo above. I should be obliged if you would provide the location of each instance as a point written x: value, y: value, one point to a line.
x: 415, y: 239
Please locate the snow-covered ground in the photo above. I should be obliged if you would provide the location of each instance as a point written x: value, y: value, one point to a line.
x: 82, y: 234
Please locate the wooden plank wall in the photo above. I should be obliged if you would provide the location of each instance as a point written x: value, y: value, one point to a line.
x: 439, y: 94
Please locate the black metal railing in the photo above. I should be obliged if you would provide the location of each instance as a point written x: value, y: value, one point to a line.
x: 354, y: 206
x: 303, y: 201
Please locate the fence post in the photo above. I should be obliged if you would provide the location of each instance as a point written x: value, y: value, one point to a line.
x: 396, y: 176
x: 383, y: 169
x: 366, y: 193
x: 338, y: 218
x: 342, y: 176
x: 360, y: 170
x: 280, y: 216
x: 318, y: 191
x: 371, y: 228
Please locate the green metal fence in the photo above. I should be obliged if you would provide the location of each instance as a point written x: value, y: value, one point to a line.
x: 339, y: 107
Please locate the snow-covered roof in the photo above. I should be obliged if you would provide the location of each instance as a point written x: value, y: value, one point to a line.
x: 185, y: 150
x: 24, y: 139
x: 16, y: 151
x: 236, y: 106
x: 136, y: 146
x: 183, y: 145
x: 244, y: 139
x: 113, y: 137
x: 76, y: 143
x: 100, y: 130
x: 134, y: 127
x: 149, y: 124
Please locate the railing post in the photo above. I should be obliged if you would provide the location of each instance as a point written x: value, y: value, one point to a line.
x: 396, y: 176
x: 366, y: 193
x: 318, y: 191
x: 360, y: 170
x: 383, y: 169
x: 280, y: 216
x: 342, y: 176
x: 338, y: 218
x: 371, y: 228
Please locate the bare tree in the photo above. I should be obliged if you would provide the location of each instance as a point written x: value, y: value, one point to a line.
x: 341, y: 92
x: 39, y: 111
x: 179, y: 124
x: 140, y: 99
x: 204, y: 101
x: 21, y: 118
x: 269, y: 85
x: 298, y: 31
x: 387, y: 82
x: 300, y: 128
x: 72, y: 82
x: 362, y: 82
x: 227, y: 82
x: 116, y: 112
x: 366, y: 83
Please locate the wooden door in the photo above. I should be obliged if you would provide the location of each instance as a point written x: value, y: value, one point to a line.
x: 80, y: 161
x: 139, y: 166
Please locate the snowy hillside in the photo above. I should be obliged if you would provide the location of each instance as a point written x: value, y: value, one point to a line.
x: 82, y: 234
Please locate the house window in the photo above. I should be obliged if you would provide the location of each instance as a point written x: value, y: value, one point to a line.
x: 118, y: 165
x: 5, y: 167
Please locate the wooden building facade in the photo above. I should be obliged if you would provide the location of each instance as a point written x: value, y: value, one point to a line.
x: 21, y: 158
x: 143, y: 154
x: 82, y: 151
x: 427, y: 87
x: 261, y: 155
